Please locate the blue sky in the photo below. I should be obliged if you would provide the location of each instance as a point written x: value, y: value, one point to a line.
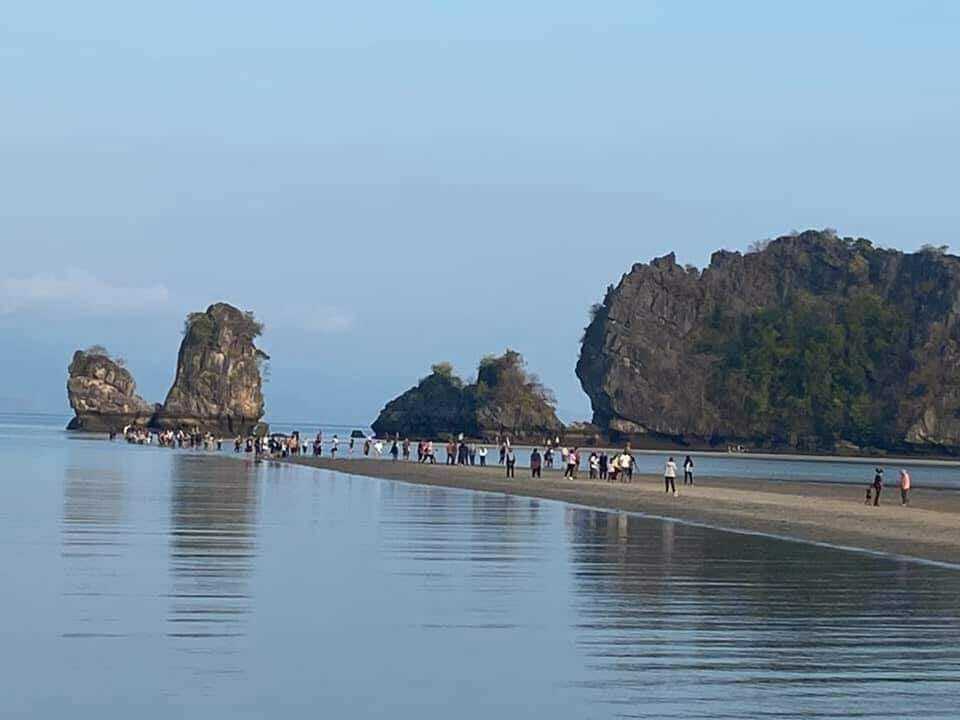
x: 391, y: 184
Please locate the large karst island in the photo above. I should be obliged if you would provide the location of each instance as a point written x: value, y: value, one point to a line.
x: 505, y: 399
x: 811, y: 342
x: 218, y: 385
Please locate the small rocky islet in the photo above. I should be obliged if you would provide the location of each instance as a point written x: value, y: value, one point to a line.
x: 103, y: 393
x: 504, y: 399
x: 217, y: 389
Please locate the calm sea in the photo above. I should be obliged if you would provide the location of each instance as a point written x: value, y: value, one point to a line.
x: 150, y: 583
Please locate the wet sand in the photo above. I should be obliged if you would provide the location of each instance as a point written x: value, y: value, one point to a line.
x: 929, y: 528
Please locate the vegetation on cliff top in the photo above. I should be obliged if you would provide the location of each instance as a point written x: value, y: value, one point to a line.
x: 505, y: 398
x: 810, y: 341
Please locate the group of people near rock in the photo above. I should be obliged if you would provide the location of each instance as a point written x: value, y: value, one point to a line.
x: 194, y: 438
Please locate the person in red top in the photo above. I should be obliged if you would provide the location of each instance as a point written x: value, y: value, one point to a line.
x: 904, y: 487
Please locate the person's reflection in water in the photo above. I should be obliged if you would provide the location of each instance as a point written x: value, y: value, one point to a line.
x: 212, y: 551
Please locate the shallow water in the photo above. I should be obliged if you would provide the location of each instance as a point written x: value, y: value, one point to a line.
x: 924, y: 473
x: 155, y: 582
x: 741, y: 466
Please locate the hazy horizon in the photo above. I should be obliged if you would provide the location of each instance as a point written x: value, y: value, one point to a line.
x: 389, y: 186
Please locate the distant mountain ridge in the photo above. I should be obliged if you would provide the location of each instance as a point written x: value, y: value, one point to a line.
x: 812, y: 342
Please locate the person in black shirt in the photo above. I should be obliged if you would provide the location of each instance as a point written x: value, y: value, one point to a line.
x: 877, y: 486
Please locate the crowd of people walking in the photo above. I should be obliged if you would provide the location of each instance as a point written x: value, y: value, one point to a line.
x: 615, y: 467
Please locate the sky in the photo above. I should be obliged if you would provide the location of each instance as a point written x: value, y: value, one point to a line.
x: 387, y: 185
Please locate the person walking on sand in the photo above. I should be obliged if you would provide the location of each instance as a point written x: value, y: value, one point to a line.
x: 688, y: 470
x: 594, y: 462
x: 482, y: 452
x: 670, y: 477
x: 603, y: 464
x: 573, y: 460
x: 536, y: 462
x: 877, y: 486
x: 511, y: 461
x: 394, y: 451
x: 904, y: 487
x: 406, y: 449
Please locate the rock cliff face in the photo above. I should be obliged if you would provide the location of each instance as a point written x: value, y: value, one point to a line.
x: 504, y: 399
x: 814, y: 342
x: 103, y: 394
x: 218, y: 384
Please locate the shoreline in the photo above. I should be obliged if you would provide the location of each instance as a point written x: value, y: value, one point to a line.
x: 918, y: 460
x: 832, y: 514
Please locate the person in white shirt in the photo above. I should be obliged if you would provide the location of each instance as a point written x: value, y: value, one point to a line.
x: 594, y: 465
x: 688, y: 470
x: 670, y: 477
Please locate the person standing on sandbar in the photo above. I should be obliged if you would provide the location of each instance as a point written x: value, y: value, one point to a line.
x: 670, y: 477
x: 511, y: 463
x: 688, y: 470
x: 536, y: 462
x: 877, y: 486
x: 904, y: 487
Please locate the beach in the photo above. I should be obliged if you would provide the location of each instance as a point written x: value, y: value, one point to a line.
x: 835, y: 514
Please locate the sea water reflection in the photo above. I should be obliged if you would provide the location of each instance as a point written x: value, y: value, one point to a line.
x: 689, y: 622
x: 213, y: 512
x: 202, y: 585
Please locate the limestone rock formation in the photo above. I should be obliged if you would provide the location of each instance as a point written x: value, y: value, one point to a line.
x: 218, y: 384
x: 436, y: 405
x: 103, y: 394
x: 812, y: 342
x: 504, y: 399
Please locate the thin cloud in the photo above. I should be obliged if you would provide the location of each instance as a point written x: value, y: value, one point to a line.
x: 326, y: 320
x: 76, y: 290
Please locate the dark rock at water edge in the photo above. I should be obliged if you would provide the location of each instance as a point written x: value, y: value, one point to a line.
x: 103, y: 394
x: 436, y: 405
x: 812, y: 342
x: 505, y: 399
